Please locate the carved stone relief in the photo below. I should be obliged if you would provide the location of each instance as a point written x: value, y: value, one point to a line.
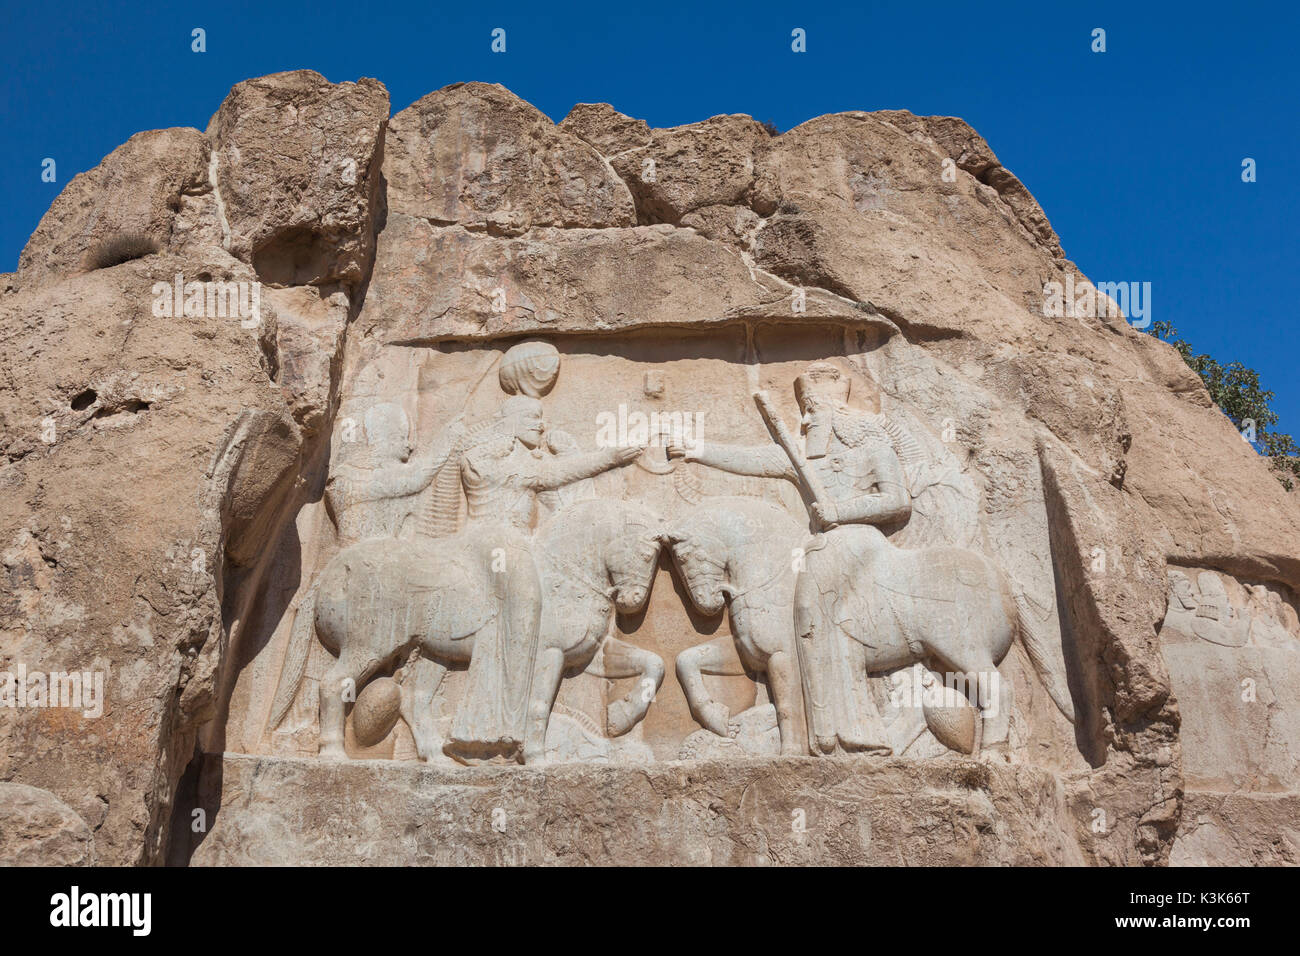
x: 1222, y: 610
x: 1233, y: 651
x: 521, y: 542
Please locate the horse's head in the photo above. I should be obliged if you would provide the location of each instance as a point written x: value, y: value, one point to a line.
x: 631, y: 559
x: 701, y: 561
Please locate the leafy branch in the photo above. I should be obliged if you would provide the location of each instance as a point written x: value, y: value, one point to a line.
x: 1236, y: 390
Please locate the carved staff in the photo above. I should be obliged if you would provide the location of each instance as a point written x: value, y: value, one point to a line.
x: 815, y: 708
x: 783, y: 438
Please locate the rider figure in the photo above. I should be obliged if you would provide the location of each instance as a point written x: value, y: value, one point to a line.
x: 502, y: 478
x: 853, y: 455
x: 370, y: 483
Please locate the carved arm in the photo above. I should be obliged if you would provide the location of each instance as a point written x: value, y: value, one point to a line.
x: 566, y: 469
x: 890, y: 503
x: 759, y: 461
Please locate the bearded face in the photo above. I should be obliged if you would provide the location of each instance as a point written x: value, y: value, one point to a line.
x: 818, y: 419
x: 820, y: 390
x: 529, y: 429
x: 523, y: 417
x: 387, y: 434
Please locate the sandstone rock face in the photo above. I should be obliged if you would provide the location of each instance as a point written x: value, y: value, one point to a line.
x: 38, y: 829
x: 687, y: 168
x: 138, y: 189
x: 442, y: 283
x: 392, y: 532
x: 786, y: 812
x: 605, y: 129
x: 148, y: 450
x: 477, y: 155
x: 298, y: 166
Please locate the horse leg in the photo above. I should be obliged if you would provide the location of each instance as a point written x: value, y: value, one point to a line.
x: 417, y: 706
x: 354, y: 666
x: 862, y: 730
x: 718, y: 657
x: 547, y: 673
x: 787, y: 696
x: 620, y: 660
x: 976, y: 668
x: 997, y: 720
x: 983, y: 699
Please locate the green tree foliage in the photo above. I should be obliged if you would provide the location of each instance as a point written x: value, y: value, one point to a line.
x: 1236, y: 390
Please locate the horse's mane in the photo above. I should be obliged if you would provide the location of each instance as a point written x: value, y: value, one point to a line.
x: 710, y: 510
x: 588, y: 514
x: 703, y: 526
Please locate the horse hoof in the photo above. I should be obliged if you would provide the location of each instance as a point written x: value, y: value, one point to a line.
x: 714, y: 717
x: 620, y: 718
x: 333, y: 752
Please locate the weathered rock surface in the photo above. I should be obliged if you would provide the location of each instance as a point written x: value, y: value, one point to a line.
x: 605, y: 129
x: 784, y: 812
x: 298, y: 166
x: 140, y: 457
x: 161, y: 513
x: 686, y: 168
x: 138, y: 189
x: 38, y: 829
x: 435, y: 283
x: 476, y: 155
x: 1238, y: 829
x: 145, y: 458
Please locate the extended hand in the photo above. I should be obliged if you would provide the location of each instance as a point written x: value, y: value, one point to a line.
x: 825, y: 514
x: 676, y: 449
x: 627, y: 453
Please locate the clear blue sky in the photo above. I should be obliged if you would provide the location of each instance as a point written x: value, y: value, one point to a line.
x: 1135, y: 154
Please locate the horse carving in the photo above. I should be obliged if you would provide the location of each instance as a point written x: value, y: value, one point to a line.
x: 379, y: 600
x: 950, y: 608
x: 736, y: 551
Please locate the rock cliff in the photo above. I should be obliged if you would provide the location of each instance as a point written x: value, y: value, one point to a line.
x: 164, y: 457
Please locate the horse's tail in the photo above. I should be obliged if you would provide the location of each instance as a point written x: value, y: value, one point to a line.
x: 295, y: 659
x: 1049, y: 666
